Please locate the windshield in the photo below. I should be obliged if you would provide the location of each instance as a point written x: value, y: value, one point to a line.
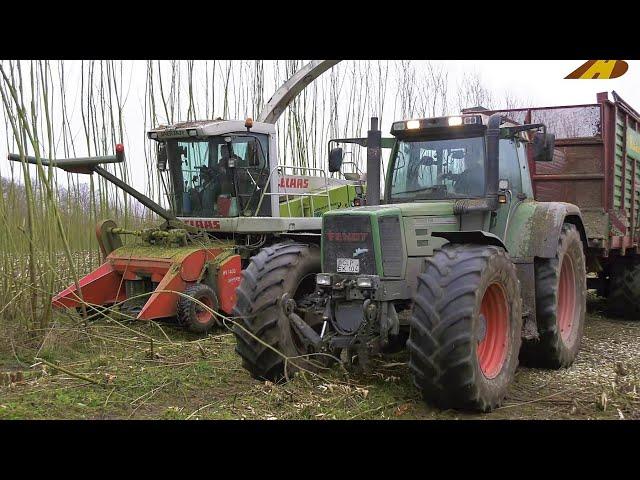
x: 217, y: 176
x: 438, y: 169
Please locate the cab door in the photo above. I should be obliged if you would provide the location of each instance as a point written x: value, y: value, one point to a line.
x: 511, y: 176
x: 252, y: 173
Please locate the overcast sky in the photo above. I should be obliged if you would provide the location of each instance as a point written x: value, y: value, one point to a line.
x: 541, y: 82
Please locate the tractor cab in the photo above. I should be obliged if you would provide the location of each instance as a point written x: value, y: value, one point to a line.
x: 449, y: 158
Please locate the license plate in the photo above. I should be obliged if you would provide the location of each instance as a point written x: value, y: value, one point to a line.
x: 348, y: 265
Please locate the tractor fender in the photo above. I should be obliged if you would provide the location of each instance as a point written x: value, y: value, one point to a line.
x: 535, y: 227
x: 479, y: 237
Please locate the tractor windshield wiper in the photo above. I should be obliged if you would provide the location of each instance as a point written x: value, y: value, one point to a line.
x: 432, y: 189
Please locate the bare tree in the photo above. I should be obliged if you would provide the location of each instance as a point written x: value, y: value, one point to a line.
x: 472, y: 93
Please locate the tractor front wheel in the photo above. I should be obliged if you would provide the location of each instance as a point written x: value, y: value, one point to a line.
x: 192, y: 315
x: 264, y: 334
x: 466, y: 327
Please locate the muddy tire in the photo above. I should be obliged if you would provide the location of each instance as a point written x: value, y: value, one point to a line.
x: 624, y: 290
x: 466, y: 327
x: 561, y: 296
x: 278, y: 269
x: 193, y: 316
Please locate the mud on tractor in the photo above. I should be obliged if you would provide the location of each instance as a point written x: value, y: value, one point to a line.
x: 472, y: 262
x: 228, y: 198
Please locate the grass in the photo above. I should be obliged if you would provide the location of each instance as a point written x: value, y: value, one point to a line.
x: 189, y: 378
x: 130, y: 377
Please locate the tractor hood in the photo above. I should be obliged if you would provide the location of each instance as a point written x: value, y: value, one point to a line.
x: 376, y: 240
x: 430, y: 208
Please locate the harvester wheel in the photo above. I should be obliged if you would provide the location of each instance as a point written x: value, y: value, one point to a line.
x: 194, y: 316
x: 624, y: 289
x: 466, y: 327
x: 561, y: 303
x: 282, y: 268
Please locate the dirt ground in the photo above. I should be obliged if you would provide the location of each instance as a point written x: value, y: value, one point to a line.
x: 149, y: 371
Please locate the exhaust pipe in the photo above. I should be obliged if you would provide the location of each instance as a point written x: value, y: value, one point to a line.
x: 374, y: 153
x: 491, y: 173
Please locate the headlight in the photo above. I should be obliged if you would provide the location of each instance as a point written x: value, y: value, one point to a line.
x: 413, y: 124
x: 455, y: 121
x: 364, y: 282
x: 323, y: 279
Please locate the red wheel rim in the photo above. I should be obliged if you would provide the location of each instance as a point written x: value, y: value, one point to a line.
x: 492, y: 350
x: 566, y: 299
x: 203, y: 315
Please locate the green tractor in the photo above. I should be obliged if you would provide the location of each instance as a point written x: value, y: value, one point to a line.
x: 460, y: 264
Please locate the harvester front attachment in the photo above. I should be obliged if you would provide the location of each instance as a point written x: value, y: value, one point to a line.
x: 148, y: 279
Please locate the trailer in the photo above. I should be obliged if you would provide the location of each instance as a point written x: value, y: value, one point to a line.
x: 595, y: 166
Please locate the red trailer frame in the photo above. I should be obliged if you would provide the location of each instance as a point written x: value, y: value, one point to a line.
x: 593, y: 168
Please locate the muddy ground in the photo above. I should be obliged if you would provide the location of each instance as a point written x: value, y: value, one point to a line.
x: 114, y: 369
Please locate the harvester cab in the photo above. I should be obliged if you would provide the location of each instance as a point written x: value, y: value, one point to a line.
x: 216, y: 168
x: 455, y: 259
x: 220, y: 172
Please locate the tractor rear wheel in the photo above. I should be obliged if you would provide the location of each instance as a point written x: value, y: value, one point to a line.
x: 194, y: 316
x: 561, y: 303
x: 624, y: 289
x: 283, y: 268
x: 466, y: 327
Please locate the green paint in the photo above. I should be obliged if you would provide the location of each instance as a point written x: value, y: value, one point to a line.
x: 633, y: 144
x: 518, y: 237
x: 340, y: 197
x: 432, y: 207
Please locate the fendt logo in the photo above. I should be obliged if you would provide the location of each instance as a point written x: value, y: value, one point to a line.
x: 347, y: 236
x: 599, y: 70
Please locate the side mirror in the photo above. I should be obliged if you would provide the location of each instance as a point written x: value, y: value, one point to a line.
x: 161, y: 151
x: 543, y: 145
x: 335, y: 159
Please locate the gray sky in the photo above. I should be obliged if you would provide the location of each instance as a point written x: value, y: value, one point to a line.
x: 540, y: 82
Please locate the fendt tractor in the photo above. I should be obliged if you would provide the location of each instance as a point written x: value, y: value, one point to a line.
x: 228, y: 196
x: 477, y: 257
